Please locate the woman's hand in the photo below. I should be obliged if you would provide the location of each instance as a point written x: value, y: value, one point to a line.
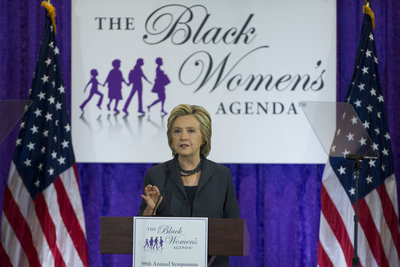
x: 151, y: 195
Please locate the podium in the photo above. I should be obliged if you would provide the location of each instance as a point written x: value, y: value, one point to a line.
x: 226, y: 237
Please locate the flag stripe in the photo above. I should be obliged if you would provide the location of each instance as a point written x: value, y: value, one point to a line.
x: 375, y: 206
x: 323, y: 259
x: 22, y: 198
x: 49, y: 228
x: 20, y: 227
x: 391, y: 189
x: 11, y: 245
x: 390, y: 217
x: 71, y: 184
x: 4, y: 259
x: 336, y: 224
x: 372, y: 234
x: 64, y: 241
x: 76, y: 174
x: 70, y: 220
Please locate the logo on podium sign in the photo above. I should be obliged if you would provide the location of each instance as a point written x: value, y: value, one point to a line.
x: 166, y: 241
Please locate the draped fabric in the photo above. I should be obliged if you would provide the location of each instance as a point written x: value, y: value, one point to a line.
x: 281, y: 203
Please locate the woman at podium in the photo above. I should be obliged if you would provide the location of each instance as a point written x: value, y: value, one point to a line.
x: 190, y: 185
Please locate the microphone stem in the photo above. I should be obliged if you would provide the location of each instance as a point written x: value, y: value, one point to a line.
x: 155, y: 206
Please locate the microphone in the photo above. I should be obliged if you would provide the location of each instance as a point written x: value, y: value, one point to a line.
x: 167, y: 175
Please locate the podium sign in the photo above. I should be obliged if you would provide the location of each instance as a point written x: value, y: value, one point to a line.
x: 167, y: 241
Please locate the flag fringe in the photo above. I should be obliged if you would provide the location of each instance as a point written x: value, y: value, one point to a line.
x: 367, y: 10
x: 51, y: 12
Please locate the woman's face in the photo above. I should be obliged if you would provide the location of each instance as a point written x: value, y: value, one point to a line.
x: 186, y: 136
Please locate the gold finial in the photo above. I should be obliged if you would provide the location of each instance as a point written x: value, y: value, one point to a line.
x: 51, y: 12
x: 367, y: 10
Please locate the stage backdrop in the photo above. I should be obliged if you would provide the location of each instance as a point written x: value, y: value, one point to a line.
x: 249, y: 63
x: 280, y: 202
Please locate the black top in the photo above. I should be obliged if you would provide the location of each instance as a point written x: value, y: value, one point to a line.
x: 191, y: 192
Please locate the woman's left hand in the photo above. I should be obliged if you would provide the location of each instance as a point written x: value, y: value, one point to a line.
x: 151, y: 195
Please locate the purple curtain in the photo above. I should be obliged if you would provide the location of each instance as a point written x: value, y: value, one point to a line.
x: 281, y: 203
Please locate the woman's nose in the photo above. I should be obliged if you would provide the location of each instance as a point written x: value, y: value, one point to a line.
x: 184, y: 135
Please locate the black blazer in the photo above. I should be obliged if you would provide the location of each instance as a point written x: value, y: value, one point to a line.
x: 215, y: 196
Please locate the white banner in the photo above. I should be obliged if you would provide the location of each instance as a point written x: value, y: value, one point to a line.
x: 167, y: 241
x: 249, y: 63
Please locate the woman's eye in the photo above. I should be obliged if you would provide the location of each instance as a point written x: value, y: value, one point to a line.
x: 191, y: 131
x: 177, y: 131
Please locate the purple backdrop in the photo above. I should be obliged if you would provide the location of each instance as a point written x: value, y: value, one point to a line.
x: 281, y: 203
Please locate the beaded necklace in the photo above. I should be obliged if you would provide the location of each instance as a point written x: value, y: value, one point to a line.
x: 185, y: 173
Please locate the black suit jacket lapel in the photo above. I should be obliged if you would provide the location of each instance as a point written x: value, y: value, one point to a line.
x: 176, y: 177
x: 207, y: 171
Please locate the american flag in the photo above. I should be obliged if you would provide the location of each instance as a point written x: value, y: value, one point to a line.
x: 378, y: 227
x: 42, y: 221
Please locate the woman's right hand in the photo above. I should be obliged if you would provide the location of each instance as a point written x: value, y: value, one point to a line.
x: 151, y: 195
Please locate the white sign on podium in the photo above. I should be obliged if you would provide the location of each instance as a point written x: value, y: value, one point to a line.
x: 170, y: 241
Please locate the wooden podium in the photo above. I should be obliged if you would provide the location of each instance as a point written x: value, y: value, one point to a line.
x: 226, y: 237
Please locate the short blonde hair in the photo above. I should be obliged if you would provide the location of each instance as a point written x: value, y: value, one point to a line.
x: 202, y: 116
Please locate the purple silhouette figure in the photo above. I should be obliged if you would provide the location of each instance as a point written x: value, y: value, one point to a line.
x: 155, y: 243
x: 151, y: 242
x: 94, y: 90
x: 114, y: 80
x: 135, y: 78
x: 160, y: 82
x: 161, y: 242
x: 147, y: 243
